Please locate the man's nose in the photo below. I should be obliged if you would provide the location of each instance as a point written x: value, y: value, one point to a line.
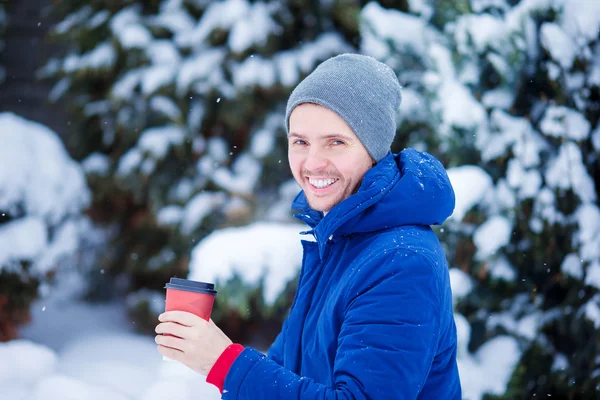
x: 315, y: 160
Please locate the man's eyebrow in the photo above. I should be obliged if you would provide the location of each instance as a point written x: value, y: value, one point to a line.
x: 337, y: 136
x: 328, y: 136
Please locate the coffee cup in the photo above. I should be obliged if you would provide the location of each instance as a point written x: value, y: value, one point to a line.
x: 191, y: 296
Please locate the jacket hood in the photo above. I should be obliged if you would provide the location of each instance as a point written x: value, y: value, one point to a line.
x: 408, y: 188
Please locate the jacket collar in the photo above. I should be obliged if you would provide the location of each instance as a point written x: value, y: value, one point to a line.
x: 402, y: 189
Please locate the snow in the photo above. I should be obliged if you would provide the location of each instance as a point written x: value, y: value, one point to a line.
x: 280, y: 210
x: 65, y: 243
x: 592, y: 310
x: 501, y: 268
x: 174, y: 17
x: 463, y: 333
x: 126, y: 84
x: 562, y: 122
x: 127, y: 28
x: 571, y: 266
x: 325, y: 45
x: 461, y: 284
x: 103, y: 56
x: 528, y: 325
x: 95, y: 107
x: 286, y: 67
x: 242, y: 178
x: 98, y: 19
x: 421, y: 7
x: 156, y: 77
x: 266, y: 250
x: 221, y: 14
x: 568, y: 172
x: 587, y: 238
x: 560, y: 363
x: 40, y: 362
x: 72, y: 20
x: 559, y: 44
x: 582, y: 23
x: 163, y: 52
x: 79, y: 351
x: 165, y: 106
x: 545, y: 210
x: 135, y: 37
x: 413, y: 106
x: 498, y: 98
x: 254, y: 28
x: 528, y: 182
x: 592, y: 277
x: 157, y: 141
x: 218, y: 149
x: 455, y: 98
x: 510, y: 132
x: 478, y: 32
x: 22, y: 239
x: 41, y: 196
x: 481, y: 5
x: 169, y: 215
x: 198, y: 208
x: 378, y: 25
x: 489, y: 369
x: 96, y: 163
x: 204, y: 66
x: 129, y: 161
x: 492, y: 235
x: 254, y: 71
x: 471, y: 185
x: 263, y: 142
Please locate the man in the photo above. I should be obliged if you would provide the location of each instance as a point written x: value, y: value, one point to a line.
x: 372, y: 316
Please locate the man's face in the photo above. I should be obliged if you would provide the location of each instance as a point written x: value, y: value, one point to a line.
x: 326, y: 157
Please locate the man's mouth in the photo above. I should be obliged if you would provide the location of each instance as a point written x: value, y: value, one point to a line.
x: 321, y: 183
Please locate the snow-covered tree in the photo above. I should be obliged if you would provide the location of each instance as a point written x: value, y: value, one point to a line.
x: 179, y: 123
x: 42, y: 197
x: 508, y: 94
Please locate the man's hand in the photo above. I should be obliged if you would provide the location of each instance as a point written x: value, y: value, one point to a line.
x: 195, y: 342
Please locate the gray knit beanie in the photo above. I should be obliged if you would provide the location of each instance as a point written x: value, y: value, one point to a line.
x: 362, y: 91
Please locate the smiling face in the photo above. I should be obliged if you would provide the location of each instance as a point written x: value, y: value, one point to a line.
x: 326, y: 157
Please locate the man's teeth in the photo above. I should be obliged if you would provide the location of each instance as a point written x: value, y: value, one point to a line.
x: 321, y: 183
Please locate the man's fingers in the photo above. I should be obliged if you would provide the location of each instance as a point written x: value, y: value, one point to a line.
x: 170, y: 353
x: 172, y: 328
x: 180, y: 317
x: 170, y: 341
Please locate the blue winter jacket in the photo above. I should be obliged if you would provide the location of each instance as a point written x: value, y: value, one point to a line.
x: 372, y: 316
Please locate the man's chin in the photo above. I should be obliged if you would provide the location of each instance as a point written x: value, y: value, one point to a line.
x: 317, y: 205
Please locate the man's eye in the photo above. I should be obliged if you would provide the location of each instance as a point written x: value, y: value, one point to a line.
x: 337, y: 142
x: 300, y: 142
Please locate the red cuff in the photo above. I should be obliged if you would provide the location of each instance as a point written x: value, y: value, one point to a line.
x: 218, y: 372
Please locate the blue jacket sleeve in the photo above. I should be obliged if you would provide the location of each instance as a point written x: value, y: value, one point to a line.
x: 386, y: 345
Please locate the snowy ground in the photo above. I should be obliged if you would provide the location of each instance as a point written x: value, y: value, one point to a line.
x: 90, y: 352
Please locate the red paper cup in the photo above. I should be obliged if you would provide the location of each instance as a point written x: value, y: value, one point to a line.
x: 191, y: 296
